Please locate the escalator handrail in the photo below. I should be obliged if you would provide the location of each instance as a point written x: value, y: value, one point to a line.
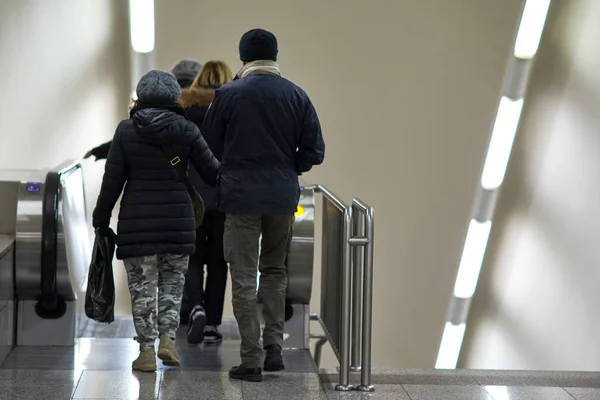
x: 50, y: 304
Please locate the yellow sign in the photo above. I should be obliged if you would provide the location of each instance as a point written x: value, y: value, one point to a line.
x: 299, y: 211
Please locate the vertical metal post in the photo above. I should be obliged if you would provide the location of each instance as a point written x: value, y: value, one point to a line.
x: 365, y: 378
x: 357, y: 267
x: 344, y: 376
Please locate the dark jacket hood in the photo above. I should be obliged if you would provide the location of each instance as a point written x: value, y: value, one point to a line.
x: 154, y: 123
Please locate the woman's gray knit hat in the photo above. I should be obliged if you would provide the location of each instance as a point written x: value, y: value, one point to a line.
x: 186, y: 71
x: 158, y: 87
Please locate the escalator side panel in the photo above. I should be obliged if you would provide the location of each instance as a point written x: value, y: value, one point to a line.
x: 28, y: 244
x: 7, y: 293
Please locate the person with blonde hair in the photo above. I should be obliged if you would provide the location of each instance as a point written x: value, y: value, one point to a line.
x: 205, y: 301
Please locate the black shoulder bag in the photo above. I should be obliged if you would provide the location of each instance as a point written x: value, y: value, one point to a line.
x: 197, y: 201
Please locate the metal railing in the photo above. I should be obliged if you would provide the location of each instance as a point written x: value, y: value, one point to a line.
x: 346, y: 286
x: 363, y: 236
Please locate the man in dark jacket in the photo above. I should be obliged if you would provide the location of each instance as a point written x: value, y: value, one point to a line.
x: 266, y: 132
x: 157, y: 225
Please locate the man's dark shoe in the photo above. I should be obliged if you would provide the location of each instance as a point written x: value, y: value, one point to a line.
x: 274, y: 359
x: 246, y: 374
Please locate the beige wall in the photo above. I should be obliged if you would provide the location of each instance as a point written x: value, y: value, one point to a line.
x: 536, y: 305
x: 65, y: 82
x: 406, y: 90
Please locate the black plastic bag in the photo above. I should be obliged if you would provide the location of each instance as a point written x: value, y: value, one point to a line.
x: 100, y: 295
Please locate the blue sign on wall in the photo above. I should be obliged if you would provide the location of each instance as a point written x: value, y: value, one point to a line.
x: 33, y: 187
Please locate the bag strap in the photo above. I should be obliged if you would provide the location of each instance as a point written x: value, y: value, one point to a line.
x: 181, y: 170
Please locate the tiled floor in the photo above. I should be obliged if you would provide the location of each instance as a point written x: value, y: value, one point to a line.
x: 99, y: 368
x: 474, y: 384
x: 194, y: 384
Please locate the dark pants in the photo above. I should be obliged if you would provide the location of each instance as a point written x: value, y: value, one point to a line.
x: 209, y: 252
x: 241, y: 240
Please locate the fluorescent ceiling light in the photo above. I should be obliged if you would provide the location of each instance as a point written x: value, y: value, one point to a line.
x: 472, y: 258
x: 141, y: 25
x: 503, y: 136
x: 450, y: 346
x: 531, y: 27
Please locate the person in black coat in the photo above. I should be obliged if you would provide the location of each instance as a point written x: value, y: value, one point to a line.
x: 156, y: 232
x: 185, y: 72
x: 205, y: 303
x: 266, y: 133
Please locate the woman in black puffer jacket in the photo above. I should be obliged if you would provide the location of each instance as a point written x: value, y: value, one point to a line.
x: 205, y: 303
x: 157, y: 227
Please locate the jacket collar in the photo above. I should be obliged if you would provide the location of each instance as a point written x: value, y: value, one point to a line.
x: 177, y: 109
x: 259, y: 67
x: 200, y: 97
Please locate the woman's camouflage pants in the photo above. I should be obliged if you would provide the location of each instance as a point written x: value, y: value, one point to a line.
x: 156, y: 286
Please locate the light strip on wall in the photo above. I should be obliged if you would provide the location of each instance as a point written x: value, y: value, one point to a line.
x: 531, y: 28
x: 506, y: 122
x: 472, y: 258
x: 450, y: 346
x: 141, y: 25
x: 503, y: 136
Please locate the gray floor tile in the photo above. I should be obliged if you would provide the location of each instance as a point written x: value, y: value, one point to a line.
x: 271, y: 389
x: 584, y: 393
x: 436, y: 379
x: 28, y: 391
x: 40, y: 358
x: 39, y: 376
x: 221, y: 357
x: 376, y: 379
x: 118, y: 385
x: 527, y: 393
x: 117, y: 355
x: 577, y: 379
x: 88, y: 353
x: 513, y: 378
x: 436, y: 392
x: 121, y: 327
x: 382, y: 392
x: 298, y: 361
x: 292, y: 378
x: 199, y: 385
x: 409, y: 376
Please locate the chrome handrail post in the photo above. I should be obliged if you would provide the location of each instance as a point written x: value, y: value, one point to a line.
x: 358, y: 227
x: 344, y: 375
x: 367, y: 322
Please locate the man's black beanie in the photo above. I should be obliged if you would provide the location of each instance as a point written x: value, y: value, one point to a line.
x: 258, y: 44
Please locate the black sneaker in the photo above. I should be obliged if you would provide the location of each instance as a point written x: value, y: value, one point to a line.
x: 246, y: 374
x: 195, y: 333
x: 212, y: 335
x: 274, y: 359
